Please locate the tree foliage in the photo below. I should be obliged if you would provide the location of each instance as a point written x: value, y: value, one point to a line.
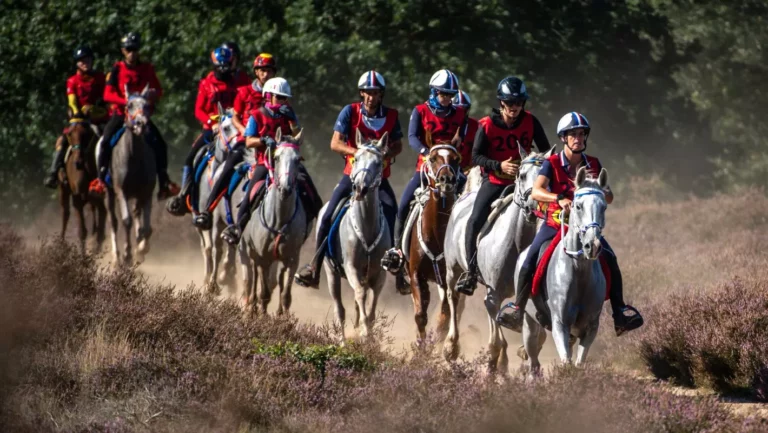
x: 671, y: 86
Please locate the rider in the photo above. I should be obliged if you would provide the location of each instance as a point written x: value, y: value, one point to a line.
x: 218, y: 87
x: 496, y: 150
x: 439, y: 117
x: 250, y: 96
x: 134, y: 74
x: 554, y: 186
x: 465, y: 150
x: 241, y: 77
x: 260, y: 134
x: 84, y: 96
x: 373, y: 120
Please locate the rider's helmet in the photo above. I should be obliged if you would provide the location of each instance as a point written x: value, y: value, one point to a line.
x: 222, y: 58
x: 265, y: 60
x: 277, y: 86
x: 131, y: 41
x: 444, y: 81
x: 511, y: 89
x: 571, y: 121
x: 462, y: 100
x: 82, y: 52
x: 371, y: 80
x: 234, y: 48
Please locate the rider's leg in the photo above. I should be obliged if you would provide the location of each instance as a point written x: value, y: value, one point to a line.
x: 220, y: 187
x: 160, y: 148
x: 487, y: 193
x: 513, y: 313
x: 310, y: 197
x: 232, y: 233
x: 187, y: 177
x: 622, y: 322
x: 58, y: 162
x: 405, y: 205
x: 309, y: 275
x: 388, y: 206
x: 105, y: 152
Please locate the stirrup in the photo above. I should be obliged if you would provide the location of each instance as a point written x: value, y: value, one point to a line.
x: 202, y: 221
x: 393, y: 260
x: 52, y: 180
x: 629, y: 323
x: 231, y: 234
x: 307, y: 277
x: 511, y: 317
x: 467, y: 283
x: 177, y: 206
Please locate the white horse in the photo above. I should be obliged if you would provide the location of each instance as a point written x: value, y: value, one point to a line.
x: 362, y: 239
x: 271, y: 242
x: 575, y: 284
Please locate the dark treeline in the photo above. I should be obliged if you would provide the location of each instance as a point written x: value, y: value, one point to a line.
x: 674, y: 87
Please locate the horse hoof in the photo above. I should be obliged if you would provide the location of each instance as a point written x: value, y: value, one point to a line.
x: 521, y: 353
x: 213, y: 288
x: 450, y: 352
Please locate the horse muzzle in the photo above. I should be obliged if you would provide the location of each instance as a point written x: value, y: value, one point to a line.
x: 592, y: 249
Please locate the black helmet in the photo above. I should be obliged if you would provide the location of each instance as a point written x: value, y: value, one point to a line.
x: 233, y: 47
x: 131, y: 40
x: 511, y: 88
x: 82, y: 52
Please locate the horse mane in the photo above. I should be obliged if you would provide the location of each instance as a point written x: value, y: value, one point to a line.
x: 474, y: 179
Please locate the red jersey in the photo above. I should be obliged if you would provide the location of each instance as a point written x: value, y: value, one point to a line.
x: 136, y: 78
x: 241, y: 78
x: 442, y: 129
x: 248, y: 98
x: 210, y: 93
x: 88, y: 88
x: 357, y: 124
x: 503, y: 144
x: 268, y: 124
x: 465, y: 148
x: 562, y: 182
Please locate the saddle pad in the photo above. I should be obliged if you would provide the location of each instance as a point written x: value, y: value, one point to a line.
x: 541, y: 269
x: 255, y: 190
x: 497, y: 207
x: 339, y: 213
x: 116, y: 137
x: 413, y: 215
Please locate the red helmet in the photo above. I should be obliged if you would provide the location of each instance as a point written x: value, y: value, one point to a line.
x: 265, y: 60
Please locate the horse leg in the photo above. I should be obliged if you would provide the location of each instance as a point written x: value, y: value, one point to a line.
x: 420, y: 295
x: 143, y: 212
x: 100, y: 215
x: 64, y: 203
x: 361, y: 296
x: 585, y: 342
x: 286, y: 284
x: 561, y: 334
x: 205, y: 248
x: 127, y: 221
x: 334, y: 287
x: 113, y: 224
x: 82, y: 230
x: 451, y: 346
x: 217, y: 252
x: 443, y: 315
x: 247, y: 267
x: 494, y: 346
x: 533, y: 340
x: 264, y: 291
x: 376, y: 289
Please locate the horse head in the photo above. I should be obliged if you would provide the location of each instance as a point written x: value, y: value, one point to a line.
x: 587, y: 215
x: 285, y: 162
x: 530, y: 166
x: 226, y: 128
x: 137, y: 110
x: 80, y: 136
x: 368, y: 164
x: 442, y: 164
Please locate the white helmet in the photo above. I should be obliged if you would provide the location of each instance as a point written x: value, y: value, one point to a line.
x: 371, y: 80
x: 444, y: 81
x: 572, y: 120
x: 277, y: 86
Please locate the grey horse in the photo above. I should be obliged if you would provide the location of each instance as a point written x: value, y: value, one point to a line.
x: 363, y: 238
x: 133, y: 173
x: 271, y: 242
x: 575, y: 284
x: 498, y: 250
x: 211, y: 244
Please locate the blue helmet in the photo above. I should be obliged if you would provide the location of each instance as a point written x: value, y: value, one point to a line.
x: 444, y: 81
x: 462, y: 100
x: 222, y: 58
x: 371, y: 80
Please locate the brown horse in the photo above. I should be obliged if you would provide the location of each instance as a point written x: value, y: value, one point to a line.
x: 425, y: 246
x: 79, y: 171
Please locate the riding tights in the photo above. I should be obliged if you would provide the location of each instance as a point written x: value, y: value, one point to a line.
x: 547, y: 233
x: 156, y: 143
x: 260, y: 173
x: 221, y: 186
x: 204, y: 138
x: 406, y: 198
x: 487, y: 193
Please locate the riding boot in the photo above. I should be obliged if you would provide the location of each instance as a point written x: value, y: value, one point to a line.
x: 177, y: 205
x: 309, y: 275
x: 52, y: 180
x: 468, y: 280
x: 511, y: 315
x: 233, y: 232
x: 622, y: 322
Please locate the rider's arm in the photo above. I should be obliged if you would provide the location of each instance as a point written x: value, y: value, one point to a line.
x: 479, y: 149
x: 415, y: 129
x: 71, y: 96
x: 200, y: 103
x: 540, y: 137
x: 238, y: 108
x: 539, y: 191
x: 252, y: 138
x: 341, y: 129
x: 111, y: 91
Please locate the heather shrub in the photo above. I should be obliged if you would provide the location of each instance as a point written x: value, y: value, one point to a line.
x: 717, y: 339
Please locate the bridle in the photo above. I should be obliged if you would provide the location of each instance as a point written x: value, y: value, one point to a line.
x: 434, y: 175
x: 582, y: 228
x: 376, y: 182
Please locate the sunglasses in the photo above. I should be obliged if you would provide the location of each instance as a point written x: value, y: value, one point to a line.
x: 131, y: 49
x: 514, y: 102
x: 281, y: 98
x: 445, y: 95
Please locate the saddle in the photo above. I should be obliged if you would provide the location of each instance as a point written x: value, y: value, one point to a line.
x: 420, y: 199
x: 497, y: 207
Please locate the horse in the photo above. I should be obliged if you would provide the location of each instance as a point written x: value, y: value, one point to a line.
x: 211, y: 244
x: 432, y: 212
x: 133, y: 173
x: 272, y: 240
x: 363, y: 238
x: 79, y: 170
x: 575, y: 284
x: 498, y: 248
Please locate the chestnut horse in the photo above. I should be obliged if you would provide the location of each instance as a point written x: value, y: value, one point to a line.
x: 79, y: 170
x: 426, y: 261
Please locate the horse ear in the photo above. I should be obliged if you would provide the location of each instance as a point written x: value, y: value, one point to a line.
x: 581, y: 176
x: 358, y: 138
x: 602, y: 179
x: 278, y: 134
x: 221, y: 110
x: 298, y: 137
x: 521, y: 149
x: 384, y: 141
x: 550, y: 152
x: 145, y: 92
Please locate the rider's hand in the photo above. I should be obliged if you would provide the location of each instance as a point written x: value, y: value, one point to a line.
x: 509, y: 167
x: 86, y: 110
x: 287, y: 111
x: 268, y: 141
x: 565, y: 204
x: 215, y: 128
